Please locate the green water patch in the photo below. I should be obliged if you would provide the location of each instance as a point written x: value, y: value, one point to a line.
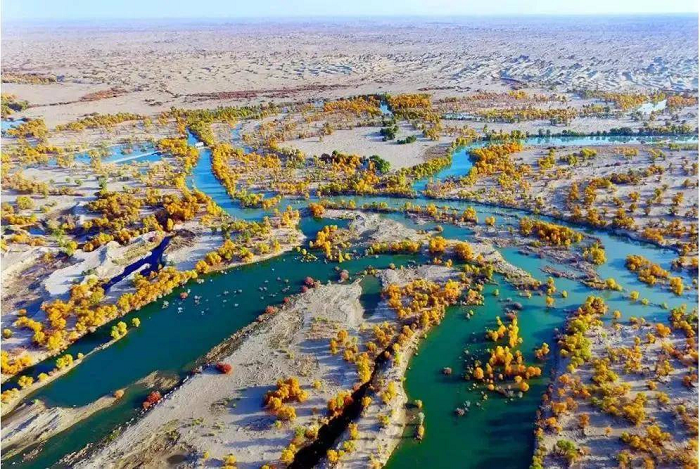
x: 171, y: 338
x: 371, y: 294
x: 478, y: 438
x: 103, y: 424
x: 309, y: 226
x: 499, y: 433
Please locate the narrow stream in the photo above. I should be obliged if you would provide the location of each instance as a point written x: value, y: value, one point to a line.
x: 153, y: 260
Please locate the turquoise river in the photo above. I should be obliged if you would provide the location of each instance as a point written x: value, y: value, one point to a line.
x: 497, y: 434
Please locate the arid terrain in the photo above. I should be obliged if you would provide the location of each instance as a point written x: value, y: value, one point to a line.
x: 147, y: 67
x: 396, y: 243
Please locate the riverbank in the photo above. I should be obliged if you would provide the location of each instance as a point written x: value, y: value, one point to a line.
x: 644, y: 191
x: 191, y: 244
x: 380, y: 425
x: 277, y: 348
x: 34, y: 423
x: 104, y: 264
x: 291, y: 341
x: 295, y: 334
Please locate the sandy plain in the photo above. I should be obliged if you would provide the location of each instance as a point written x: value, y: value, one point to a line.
x: 150, y: 68
x: 156, y: 65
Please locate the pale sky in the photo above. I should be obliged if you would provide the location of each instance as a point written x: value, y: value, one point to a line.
x: 116, y: 9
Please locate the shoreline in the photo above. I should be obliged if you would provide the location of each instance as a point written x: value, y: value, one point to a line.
x: 251, y: 336
x: 57, y: 373
x: 514, y: 167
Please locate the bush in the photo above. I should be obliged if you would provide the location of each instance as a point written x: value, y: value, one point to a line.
x: 568, y: 450
x: 153, y: 398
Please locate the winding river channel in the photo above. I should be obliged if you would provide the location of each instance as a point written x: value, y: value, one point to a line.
x: 496, y: 434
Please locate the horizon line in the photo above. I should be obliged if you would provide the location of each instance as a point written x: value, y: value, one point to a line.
x: 341, y: 17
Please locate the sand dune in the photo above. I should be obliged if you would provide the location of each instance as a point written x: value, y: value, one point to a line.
x: 160, y: 65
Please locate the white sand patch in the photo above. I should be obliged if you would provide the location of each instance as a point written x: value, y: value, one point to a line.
x: 366, y: 141
x: 105, y: 262
x: 290, y: 343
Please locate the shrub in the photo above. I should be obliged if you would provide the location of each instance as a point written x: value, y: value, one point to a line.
x: 153, y: 398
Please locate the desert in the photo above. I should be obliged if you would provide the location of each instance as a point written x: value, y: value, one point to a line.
x: 350, y: 242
